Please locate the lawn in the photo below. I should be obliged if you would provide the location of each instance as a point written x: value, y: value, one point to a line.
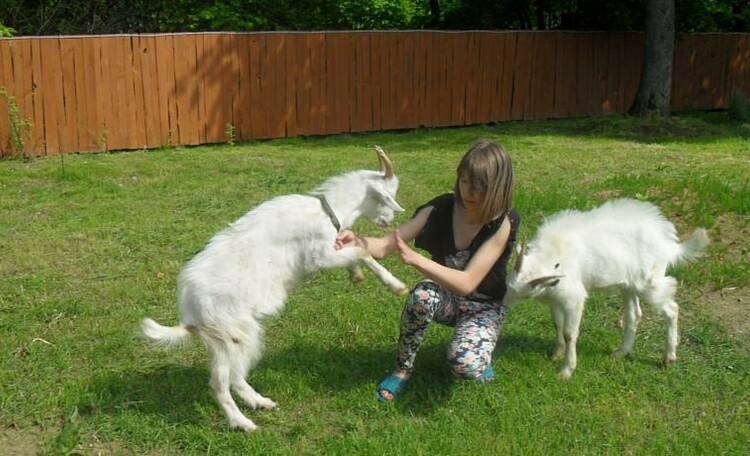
x: 90, y: 244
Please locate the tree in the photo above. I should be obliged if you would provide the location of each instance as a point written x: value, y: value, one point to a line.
x: 655, y: 88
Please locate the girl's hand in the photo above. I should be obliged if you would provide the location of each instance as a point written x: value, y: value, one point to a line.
x: 408, y: 256
x: 345, y: 239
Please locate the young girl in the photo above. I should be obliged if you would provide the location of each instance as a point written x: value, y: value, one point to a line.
x: 469, y: 234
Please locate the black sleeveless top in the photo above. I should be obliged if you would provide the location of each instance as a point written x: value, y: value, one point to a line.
x: 437, y: 238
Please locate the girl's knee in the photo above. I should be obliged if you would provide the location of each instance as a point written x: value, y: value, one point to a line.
x: 423, y: 298
x: 468, y: 368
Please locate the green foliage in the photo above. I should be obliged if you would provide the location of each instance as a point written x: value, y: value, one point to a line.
x: 20, y: 127
x: 142, y: 16
x: 88, y: 253
x: 231, y: 133
x: 6, y: 32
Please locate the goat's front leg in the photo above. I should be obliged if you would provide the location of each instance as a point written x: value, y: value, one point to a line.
x: 558, y: 317
x: 397, y: 287
x: 573, y: 314
x: 351, y: 256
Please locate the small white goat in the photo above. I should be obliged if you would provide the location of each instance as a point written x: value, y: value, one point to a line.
x: 623, y: 244
x: 246, y: 271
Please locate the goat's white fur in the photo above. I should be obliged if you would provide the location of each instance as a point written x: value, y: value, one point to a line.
x: 246, y: 271
x: 624, y: 244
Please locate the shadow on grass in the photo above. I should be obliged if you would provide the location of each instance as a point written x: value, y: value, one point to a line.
x: 177, y: 393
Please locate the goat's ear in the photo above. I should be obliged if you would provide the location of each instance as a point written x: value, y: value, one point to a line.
x: 386, y: 198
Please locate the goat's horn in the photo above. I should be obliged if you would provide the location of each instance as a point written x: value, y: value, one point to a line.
x: 385, y: 163
x: 541, y: 280
x: 521, y: 254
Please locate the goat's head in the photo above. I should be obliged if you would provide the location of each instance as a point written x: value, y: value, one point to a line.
x: 380, y: 202
x: 536, y: 270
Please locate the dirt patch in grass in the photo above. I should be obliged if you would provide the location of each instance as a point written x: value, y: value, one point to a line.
x: 730, y: 305
x: 21, y: 442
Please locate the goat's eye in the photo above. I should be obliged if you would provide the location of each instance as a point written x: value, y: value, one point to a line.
x: 557, y: 265
x: 554, y: 283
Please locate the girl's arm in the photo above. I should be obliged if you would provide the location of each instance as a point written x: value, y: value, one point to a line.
x: 383, y: 246
x: 460, y: 282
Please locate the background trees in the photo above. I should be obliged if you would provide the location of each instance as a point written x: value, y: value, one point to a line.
x: 53, y: 17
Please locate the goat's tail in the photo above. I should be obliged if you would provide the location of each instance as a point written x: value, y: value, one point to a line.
x: 165, y: 336
x: 695, y: 246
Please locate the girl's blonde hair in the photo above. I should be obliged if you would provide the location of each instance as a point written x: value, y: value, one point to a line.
x: 488, y: 168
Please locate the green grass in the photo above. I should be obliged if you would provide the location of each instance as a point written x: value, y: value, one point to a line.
x: 90, y: 244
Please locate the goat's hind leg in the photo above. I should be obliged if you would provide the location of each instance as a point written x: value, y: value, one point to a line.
x: 660, y: 294
x: 631, y: 317
x: 221, y: 377
x: 246, y: 355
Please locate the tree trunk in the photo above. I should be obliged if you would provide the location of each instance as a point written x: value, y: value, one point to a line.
x: 655, y: 88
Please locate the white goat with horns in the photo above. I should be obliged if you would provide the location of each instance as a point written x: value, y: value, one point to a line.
x: 623, y: 244
x: 246, y: 271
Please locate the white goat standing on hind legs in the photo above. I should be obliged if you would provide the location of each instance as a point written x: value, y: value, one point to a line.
x: 623, y: 244
x: 243, y: 276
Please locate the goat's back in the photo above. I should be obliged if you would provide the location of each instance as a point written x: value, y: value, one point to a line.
x: 621, y: 238
x: 256, y: 261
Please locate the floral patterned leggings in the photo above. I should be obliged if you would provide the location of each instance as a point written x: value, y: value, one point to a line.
x: 477, y: 327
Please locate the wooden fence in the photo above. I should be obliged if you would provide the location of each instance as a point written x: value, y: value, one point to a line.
x: 98, y: 93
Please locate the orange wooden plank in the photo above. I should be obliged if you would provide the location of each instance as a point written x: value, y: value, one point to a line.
x: 152, y: 120
x: 187, y: 87
x: 586, y: 101
x: 344, y: 75
x: 632, y: 70
x: 362, y: 101
x: 389, y: 73
x: 258, y: 119
x: 73, y: 116
x: 611, y: 102
x: 230, y: 82
x: 458, y: 76
x: 135, y: 83
x: 165, y: 81
x: 53, y: 97
x: 6, y: 83
x: 565, y: 74
x: 543, y: 74
x: 275, y: 68
x: 85, y: 88
x: 303, y: 89
x: 292, y: 44
x: 505, y: 102
x: 477, y: 81
x: 492, y: 55
x: 522, y: 76
x: 419, y: 60
x: 244, y: 108
x: 114, y: 70
x: 738, y: 65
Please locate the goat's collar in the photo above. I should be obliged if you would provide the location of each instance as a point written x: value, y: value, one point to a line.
x: 329, y: 211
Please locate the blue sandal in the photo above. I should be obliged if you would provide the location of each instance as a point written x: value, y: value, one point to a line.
x: 487, y: 376
x: 393, y: 385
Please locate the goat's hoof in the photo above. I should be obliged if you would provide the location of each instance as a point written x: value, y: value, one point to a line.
x: 565, y: 374
x: 356, y: 278
x: 244, y: 425
x: 266, y: 403
x: 621, y: 353
x: 669, y: 359
x: 402, y: 291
